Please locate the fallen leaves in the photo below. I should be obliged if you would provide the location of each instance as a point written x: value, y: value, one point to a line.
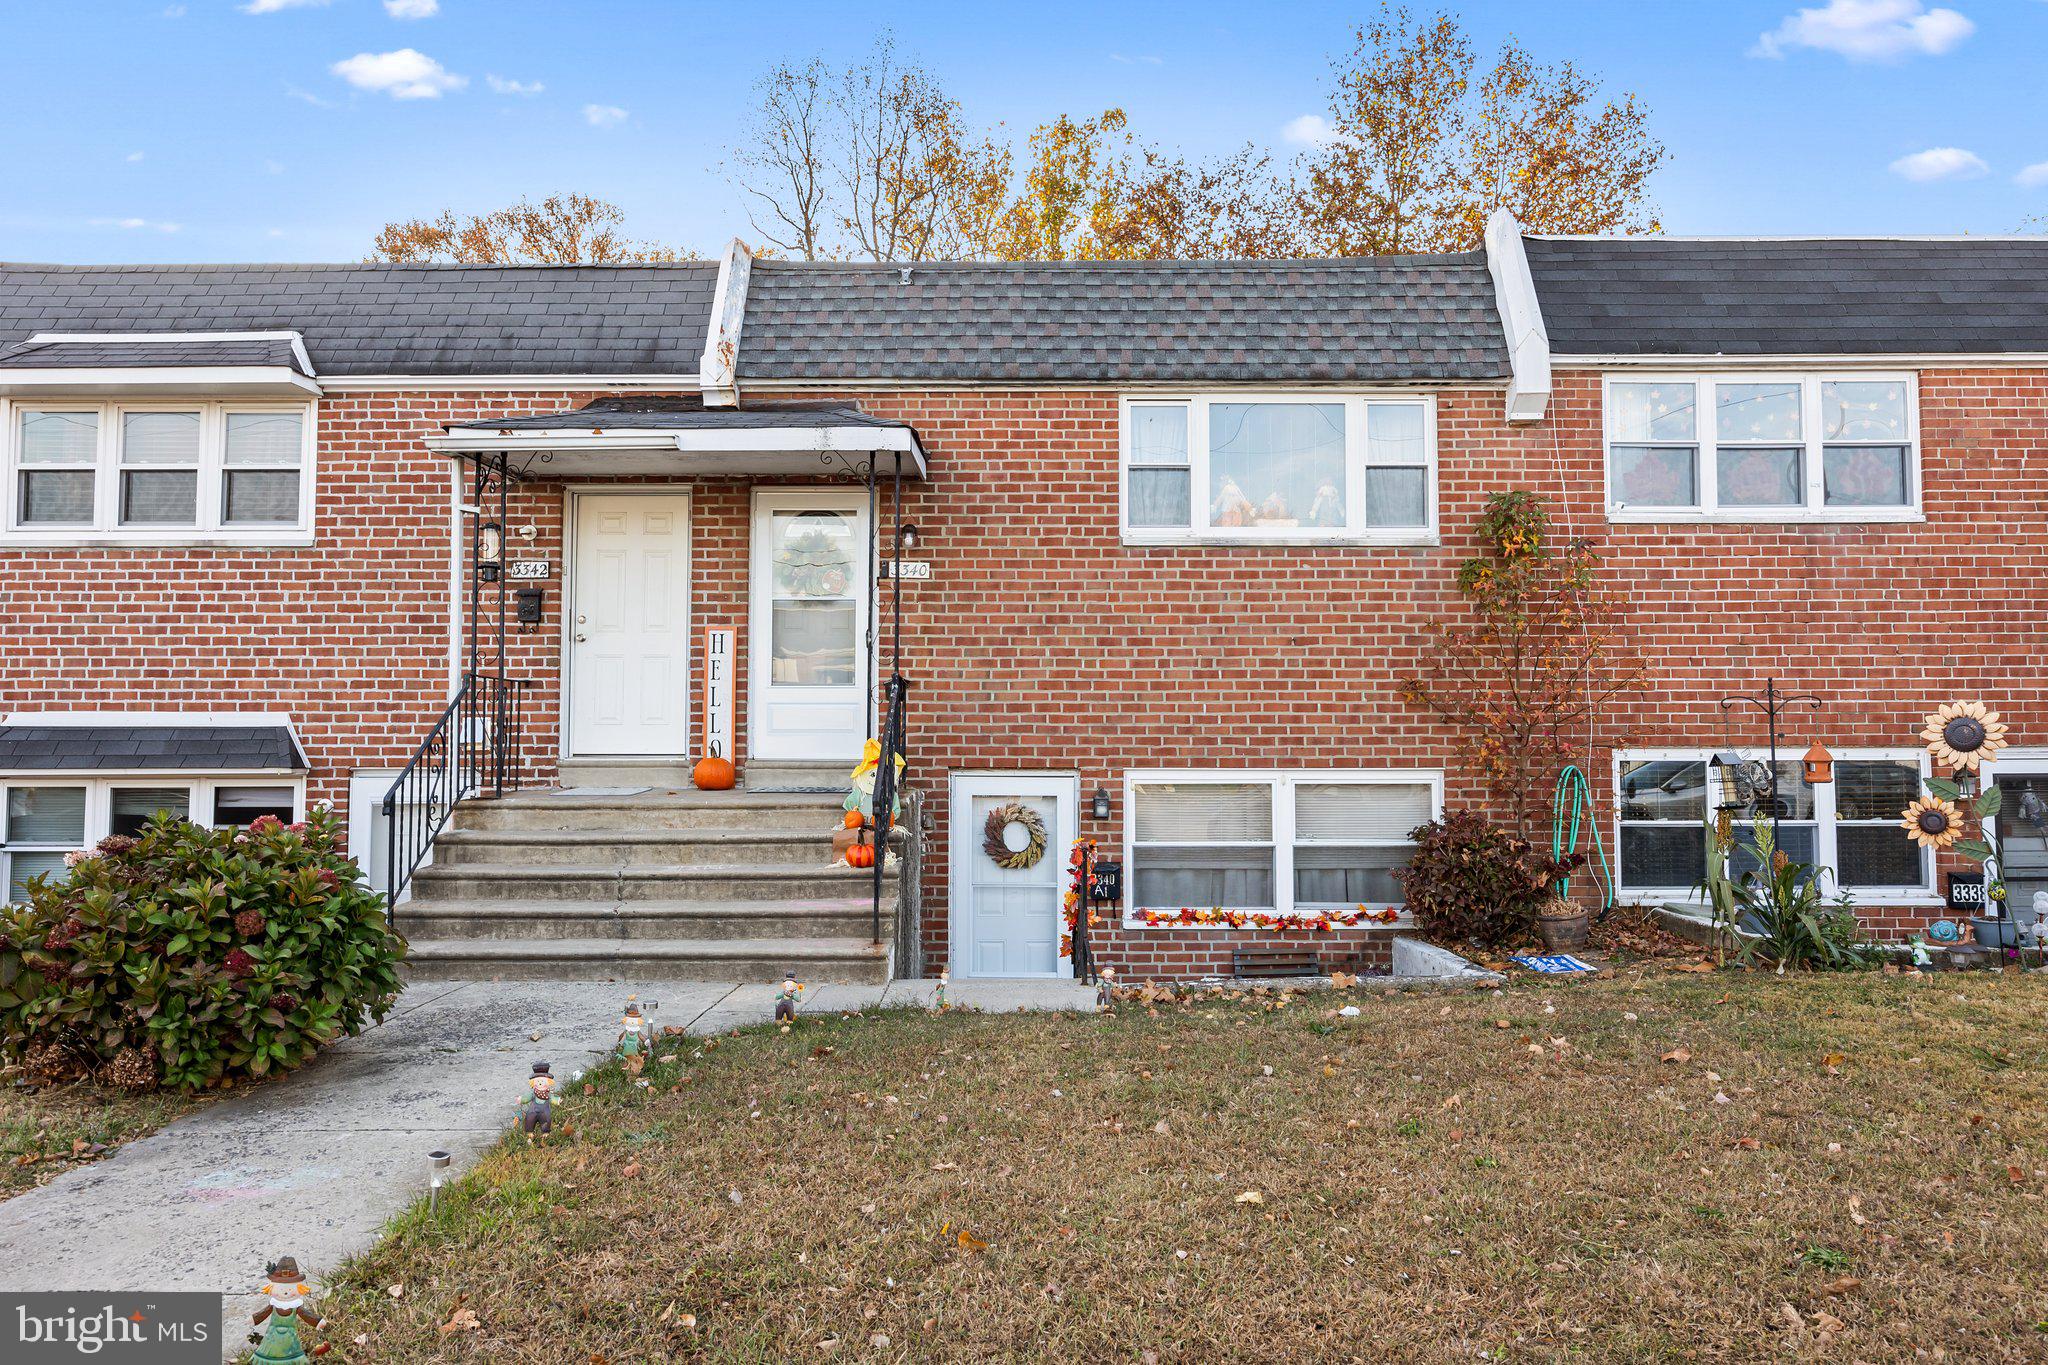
x: 461, y: 1320
x: 1251, y: 1197
x: 1678, y: 1056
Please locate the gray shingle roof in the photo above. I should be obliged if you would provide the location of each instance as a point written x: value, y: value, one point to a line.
x: 669, y: 414
x: 1841, y: 296
x: 191, y: 748
x: 392, y: 319
x: 1394, y: 317
x: 105, y: 355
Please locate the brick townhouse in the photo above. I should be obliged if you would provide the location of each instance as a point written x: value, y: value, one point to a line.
x: 390, y: 536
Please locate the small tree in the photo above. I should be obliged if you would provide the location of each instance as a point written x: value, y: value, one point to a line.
x: 1537, y: 654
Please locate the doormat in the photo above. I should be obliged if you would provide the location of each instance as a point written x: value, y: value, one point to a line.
x: 1553, y: 963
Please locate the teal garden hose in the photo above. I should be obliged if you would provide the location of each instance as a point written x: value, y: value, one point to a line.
x: 1571, y: 808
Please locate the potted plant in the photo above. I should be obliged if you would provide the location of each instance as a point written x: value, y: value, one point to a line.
x: 1563, y: 924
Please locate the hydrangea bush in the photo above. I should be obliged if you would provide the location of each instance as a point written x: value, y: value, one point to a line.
x: 188, y: 955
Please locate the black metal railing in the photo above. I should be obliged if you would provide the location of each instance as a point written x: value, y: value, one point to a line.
x: 472, y: 748
x: 1081, y: 872
x: 887, y: 789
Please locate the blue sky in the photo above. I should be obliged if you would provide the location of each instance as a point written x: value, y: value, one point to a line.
x: 161, y: 130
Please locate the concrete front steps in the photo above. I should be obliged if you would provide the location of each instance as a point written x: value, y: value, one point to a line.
x: 676, y: 885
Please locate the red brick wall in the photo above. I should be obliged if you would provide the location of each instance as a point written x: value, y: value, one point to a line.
x: 1044, y: 643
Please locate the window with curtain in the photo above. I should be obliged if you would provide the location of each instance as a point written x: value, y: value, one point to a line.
x: 241, y: 805
x: 1281, y: 843
x: 1848, y: 827
x: 131, y: 808
x: 129, y: 471
x: 1761, y: 447
x: 1305, y: 467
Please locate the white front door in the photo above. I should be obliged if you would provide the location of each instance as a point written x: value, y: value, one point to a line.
x: 629, y: 625
x: 1007, y: 921
x: 807, y: 648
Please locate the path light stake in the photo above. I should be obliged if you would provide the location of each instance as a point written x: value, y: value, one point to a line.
x: 437, y: 1162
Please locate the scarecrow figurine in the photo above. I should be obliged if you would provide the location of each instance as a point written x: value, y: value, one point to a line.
x: 939, y: 997
x: 287, y: 1307
x: 860, y: 795
x: 636, y: 1034
x: 1105, y: 991
x: 785, y: 999
x: 537, y: 1114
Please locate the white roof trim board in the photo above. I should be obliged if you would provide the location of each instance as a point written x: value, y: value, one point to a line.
x: 718, y: 372
x: 1521, y: 318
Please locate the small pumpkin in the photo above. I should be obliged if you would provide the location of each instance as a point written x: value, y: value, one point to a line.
x: 853, y: 820
x: 861, y: 855
x: 714, y: 772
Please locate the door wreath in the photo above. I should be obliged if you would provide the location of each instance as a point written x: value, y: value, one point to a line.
x: 994, y: 844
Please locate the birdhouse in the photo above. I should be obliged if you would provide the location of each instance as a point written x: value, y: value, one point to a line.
x: 1820, y: 766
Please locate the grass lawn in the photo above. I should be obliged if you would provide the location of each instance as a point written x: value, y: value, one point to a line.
x: 44, y: 1131
x: 1719, y: 1166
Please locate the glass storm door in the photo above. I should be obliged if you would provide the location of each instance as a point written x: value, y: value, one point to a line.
x: 629, y: 626
x: 2022, y: 828
x: 1007, y: 921
x: 808, y: 652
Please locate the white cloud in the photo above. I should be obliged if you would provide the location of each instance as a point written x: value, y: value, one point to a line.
x: 1868, y: 30
x: 134, y: 224
x: 1310, y: 130
x: 404, y: 75
x: 174, y: 11
x: 134, y: 156
x: 273, y: 168
x: 2034, y: 176
x: 505, y: 85
x: 412, y: 9
x: 1140, y: 59
x: 1940, y: 163
x: 273, y: 6
x: 603, y: 115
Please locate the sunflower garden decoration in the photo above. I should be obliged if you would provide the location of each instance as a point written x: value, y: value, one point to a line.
x: 1961, y: 737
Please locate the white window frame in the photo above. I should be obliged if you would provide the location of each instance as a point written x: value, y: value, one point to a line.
x: 1824, y: 826
x: 209, y: 527
x: 1705, y: 433
x: 1282, y: 782
x: 1353, y: 532
x: 100, y: 786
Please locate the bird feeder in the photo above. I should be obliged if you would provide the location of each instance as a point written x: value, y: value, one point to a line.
x: 1820, y: 765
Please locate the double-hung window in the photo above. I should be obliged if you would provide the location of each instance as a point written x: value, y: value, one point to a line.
x: 1762, y: 447
x: 1273, y: 843
x: 1279, y: 468
x: 1849, y: 826
x: 157, y: 472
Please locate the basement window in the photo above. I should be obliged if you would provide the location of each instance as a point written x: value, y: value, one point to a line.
x: 44, y: 817
x: 1278, y: 469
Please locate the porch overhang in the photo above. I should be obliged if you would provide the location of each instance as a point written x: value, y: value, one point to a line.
x: 679, y: 437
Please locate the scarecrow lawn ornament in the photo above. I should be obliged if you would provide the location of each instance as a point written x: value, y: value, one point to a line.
x: 537, y: 1114
x: 861, y: 796
x: 785, y: 998
x: 939, y: 997
x: 286, y: 1308
x: 1105, y: 991
x: 636, y: 1032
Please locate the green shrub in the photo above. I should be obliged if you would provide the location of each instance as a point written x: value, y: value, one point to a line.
x: 188, y: 955
x: 1782, y: 903
x: 1472, y: 880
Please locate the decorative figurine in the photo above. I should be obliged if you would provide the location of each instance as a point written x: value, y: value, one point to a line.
x: 636, y: 1034
x: 860, y: 795
x: 1105, y: 991
x: 537, y: 1114
x: 1230, y: 507
x: 785, y: 999
x: 1329, y: 507
x: 939, y: 998
x: 287, y: 1307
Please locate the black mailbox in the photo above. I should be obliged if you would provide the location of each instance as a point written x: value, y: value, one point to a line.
x: 1106, y: 882
x: 529, y: 605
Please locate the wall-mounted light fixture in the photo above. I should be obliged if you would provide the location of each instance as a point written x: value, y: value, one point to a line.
x: 1098, y: 805
x: 906, y: 535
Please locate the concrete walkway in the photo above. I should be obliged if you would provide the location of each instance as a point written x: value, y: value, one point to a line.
x: 314, y: 1164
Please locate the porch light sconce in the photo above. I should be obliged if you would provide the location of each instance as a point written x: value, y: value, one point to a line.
x: 906, y: 535
x: 1098, y: 805
x: 490, y: 543
x: 1820, y: 766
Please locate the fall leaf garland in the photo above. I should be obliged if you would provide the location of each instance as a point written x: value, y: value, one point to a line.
x: 1259, y: 919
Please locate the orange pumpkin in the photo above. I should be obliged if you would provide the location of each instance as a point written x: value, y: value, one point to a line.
x: 853, y: 820
x: 714, y: 773
x: 861, y: 855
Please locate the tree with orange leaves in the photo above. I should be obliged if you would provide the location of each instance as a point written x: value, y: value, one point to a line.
x: 563, y: 229
x: 1539, y: 653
